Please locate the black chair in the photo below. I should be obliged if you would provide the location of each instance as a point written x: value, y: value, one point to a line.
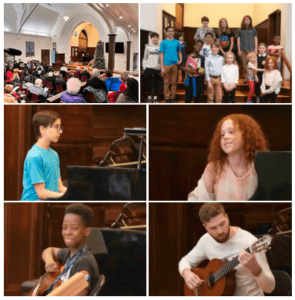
x: 283, y: 285
x: 98, y: 286
x: 274, y: 170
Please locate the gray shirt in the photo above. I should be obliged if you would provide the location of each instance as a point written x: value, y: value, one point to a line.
x: 151, y: 58
x: 246, y: 36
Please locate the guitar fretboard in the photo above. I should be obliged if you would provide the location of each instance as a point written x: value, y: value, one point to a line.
x: 225, y: 269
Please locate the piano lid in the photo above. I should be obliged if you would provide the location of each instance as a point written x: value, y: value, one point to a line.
x: 128, y: 151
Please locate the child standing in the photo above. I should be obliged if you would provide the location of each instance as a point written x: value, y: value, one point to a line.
x: 206, y: 50
x: 225, y: 37
x: 193, y: 65
x: 152, y: 67
x: 271, y: 80
x: 77, y: 257
x: 261, y: 57
x: 201, y: 31
x: 42, y: 178
x: 247, y: 42
x: 230, y: 77
x: 170, y: 59
x: 213, y: 66
x: 276, y: 49
x: 230, y: 172
x: 251, y: 74
x: 183, y: 49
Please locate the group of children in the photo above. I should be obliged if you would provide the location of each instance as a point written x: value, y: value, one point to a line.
x: 214, y: 58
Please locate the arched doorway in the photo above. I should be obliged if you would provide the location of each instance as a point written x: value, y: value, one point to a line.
x: 83, y: 41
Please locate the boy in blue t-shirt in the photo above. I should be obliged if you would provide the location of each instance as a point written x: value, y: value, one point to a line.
x: 42, y: 178
x: 170, y: 58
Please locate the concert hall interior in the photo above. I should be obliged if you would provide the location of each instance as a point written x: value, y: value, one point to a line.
x: 177, y: 227
x: 117, y: 241
x: 179, y: 144
x: 75, y: 38
x: 86, y: 148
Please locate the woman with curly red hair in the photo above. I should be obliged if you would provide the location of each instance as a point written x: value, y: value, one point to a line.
x: 271, y: 80
x: 230, y: 172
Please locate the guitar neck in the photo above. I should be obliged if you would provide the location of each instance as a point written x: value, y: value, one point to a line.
x: 227, y: 267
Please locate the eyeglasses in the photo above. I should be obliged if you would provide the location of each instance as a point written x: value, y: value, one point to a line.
x: 58, y: 128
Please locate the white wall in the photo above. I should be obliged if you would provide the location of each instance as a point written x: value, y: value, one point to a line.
x: 148, y: 16
x: 18, y: 41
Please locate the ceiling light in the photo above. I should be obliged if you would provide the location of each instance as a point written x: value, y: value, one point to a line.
x: 129, y: 25
x: 120, y: 17
x: 107, y: 5
x: 66, y: 18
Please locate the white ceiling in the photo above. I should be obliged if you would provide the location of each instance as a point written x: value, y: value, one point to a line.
x: 46, y: 15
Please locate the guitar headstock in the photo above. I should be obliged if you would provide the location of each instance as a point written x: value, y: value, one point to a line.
x: 262, y: 244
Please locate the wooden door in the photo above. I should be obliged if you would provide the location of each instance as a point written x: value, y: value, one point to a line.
x: 45, y: 56
x: 274, y: 25
x: 74, y: 53
x: 179, y: 8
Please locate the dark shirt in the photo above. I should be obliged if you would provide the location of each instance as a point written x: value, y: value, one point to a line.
x: 85, y: 73
x: 60, y: 81
x: 260, y: 59
x: 224, y: 40
x: 96, y: 83
x: 183, y: 49
x: 86, y: 262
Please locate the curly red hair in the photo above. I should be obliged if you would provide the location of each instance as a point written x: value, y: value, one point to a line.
x: 274, y: 60
x: 253, y: 140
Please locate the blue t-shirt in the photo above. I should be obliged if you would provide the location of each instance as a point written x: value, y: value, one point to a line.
x: 41, y: 165
x: 170, y: 48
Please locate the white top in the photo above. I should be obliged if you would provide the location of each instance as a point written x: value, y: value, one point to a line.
x: 246, y: 283
x: 206, y: 50
x: 276, y: 85
x: 230, y: 74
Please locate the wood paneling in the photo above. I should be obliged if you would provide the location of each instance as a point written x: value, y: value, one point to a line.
x: 89, y: 131
x: 175, y: 228
x: 29, y: 228
x: 180, y: 136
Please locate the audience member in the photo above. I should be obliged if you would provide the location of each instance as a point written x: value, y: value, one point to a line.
x: 85, y: 73
x: 77, y: 73
x: 131, y: 93
x: 60, y: 81
x: 38, y: 89
x: 72, y: 94
x: 95, y: 82
x: 8, y: 96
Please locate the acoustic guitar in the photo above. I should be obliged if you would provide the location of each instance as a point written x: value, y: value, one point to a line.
x: 73, y: 286
x: 218, y: 275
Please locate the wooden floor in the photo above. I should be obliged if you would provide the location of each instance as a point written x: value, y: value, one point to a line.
x: 242, y: 91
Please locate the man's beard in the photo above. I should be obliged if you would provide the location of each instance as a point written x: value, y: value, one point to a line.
x: 223, y: 237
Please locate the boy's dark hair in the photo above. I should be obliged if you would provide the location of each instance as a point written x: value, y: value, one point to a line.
x: 210, y: 210
x: 199, y: 41
x: 82, y: 210
x: 108, y: 73
x: 154, y: 34
x: 44, y: 118
x: 179, y: 34
x: 168, y: 27
x: 276, y: 34
x: 209, y: 33
x: 204, y: 19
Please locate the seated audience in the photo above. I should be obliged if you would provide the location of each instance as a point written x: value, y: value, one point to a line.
x: 38, y: 89
x: 64, y: 68
x: 131, y: 93
x: 123, y: 77
x: 77, y: 73
x: 59, y: 80
x: 15, y: 78
x: 8, y: 94
x: 72, y: 94
x: 95, y: 82
x: 50, y: 77
x: 43, y: 74
x: 85, y: 73
x: 9, y: 74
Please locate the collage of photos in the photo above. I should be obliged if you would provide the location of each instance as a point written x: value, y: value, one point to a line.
x: 147, y: 149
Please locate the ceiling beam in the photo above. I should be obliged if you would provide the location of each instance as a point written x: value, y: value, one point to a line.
x: 25, y: 18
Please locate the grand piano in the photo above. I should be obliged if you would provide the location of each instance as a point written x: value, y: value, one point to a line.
x: 121, y: 175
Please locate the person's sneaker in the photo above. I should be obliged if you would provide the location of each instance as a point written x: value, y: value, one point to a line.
x: 167, y: 101
x: 149, y: 99
x: 156, y: 100
x: 250, y: 101
x: 173, y: 101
